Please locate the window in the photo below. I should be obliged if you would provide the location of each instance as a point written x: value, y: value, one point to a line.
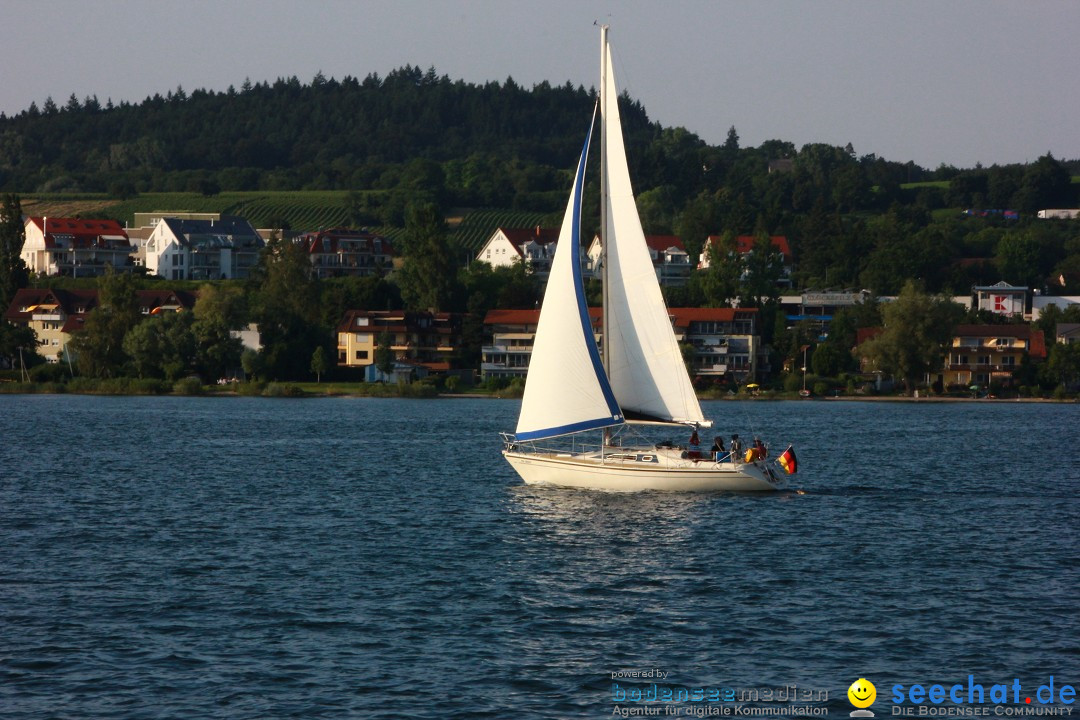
x: 361, y: 354
x: 983, y: 360
x: 1009, y: 360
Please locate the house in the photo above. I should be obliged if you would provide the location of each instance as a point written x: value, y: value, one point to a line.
x: 1003, y: 299
x: 986, y: 354
x: 744, y: 245
x: 422, y: 338
x: 190, y: 249
x: 55, y: 315
x: 725, y: 341
x: 339, y: 252
x: 669, y: 257
x: 75, y: 247
x: 535, y: 247
x: 819, y: 307
x: 512, y: 333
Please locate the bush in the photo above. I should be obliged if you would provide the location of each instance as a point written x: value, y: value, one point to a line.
x: 49, y: 372
x: 283, y: 390
x: 188, y: 386
x: 250, y: 389
x: 515, y: 389
x: 148, y: 386
x: 821, y: 389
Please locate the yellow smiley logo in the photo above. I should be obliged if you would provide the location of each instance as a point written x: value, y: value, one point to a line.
x: 862, y: 693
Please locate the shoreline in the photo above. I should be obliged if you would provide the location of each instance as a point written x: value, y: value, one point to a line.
x: 305, y: 393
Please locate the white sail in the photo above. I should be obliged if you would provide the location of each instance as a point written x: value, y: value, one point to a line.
x: 566, y: 390
x: 645, y: 365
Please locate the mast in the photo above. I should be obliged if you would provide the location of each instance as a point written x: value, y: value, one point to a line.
x: 605, y: 355
x: 604, y: 197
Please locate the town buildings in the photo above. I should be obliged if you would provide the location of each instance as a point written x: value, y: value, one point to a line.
x: 669, y: 257
x: 341, y: 252
x: 196, y: 249
x: 55, y: 314
x: 744, y: 246
x: 989, y: 354
x: 424, y: 341
x: 75, y: 247
x: 721, y: 343
x: 536, y: 249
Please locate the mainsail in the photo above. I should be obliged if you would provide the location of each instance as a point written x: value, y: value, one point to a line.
x: 645, y: 364
x: 567, y: 390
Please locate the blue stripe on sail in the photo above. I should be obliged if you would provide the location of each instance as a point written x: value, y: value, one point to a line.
x: 579, y: 285
x: 568, y: 429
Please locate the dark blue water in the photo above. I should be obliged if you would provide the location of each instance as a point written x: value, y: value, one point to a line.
x: 255, y: 558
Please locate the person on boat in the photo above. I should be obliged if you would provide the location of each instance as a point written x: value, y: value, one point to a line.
x: 693, y: 452
x: 717, y: 448
x: 760, y: 450
x: 736, y: 445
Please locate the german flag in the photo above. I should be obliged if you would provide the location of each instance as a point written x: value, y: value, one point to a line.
x: 788, y: 462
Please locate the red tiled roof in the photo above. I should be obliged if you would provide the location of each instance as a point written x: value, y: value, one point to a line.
x: 745, y: 243
x: 864, y: 334
x: 70, y: 301
x: 512, y: 317
x: 539, y: 235
x: 84, y: 232
x: 313, y: 241
x: 684, y: 316
x: 660, y: 243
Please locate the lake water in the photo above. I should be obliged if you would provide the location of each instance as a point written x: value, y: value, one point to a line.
x: 258, y: 558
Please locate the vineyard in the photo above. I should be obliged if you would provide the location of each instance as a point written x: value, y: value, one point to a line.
x: 477, y: 226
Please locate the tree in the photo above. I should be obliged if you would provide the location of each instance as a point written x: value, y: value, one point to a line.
x: 13, y: 271
x: 918, y: 328
x: 14, y: 338
x: 1063, y: 365
x: 427, y: 273
x: 1019, y: 258
x: 764, y: 267
x: 219, y: 310
x: 318, y: 363
x: 720, y: 281
x: 99, y: 346
x: 287, y: 310
x: 162, y: 346
x: 384, y: 356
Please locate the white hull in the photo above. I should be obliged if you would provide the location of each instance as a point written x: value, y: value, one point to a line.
x: 589, y: 471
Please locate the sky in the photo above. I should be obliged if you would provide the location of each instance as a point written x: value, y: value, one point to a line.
x: 937, y: 82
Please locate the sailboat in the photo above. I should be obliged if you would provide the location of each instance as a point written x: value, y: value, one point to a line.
x: 575, y: 394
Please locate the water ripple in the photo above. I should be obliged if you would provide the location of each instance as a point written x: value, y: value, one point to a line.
x: 250, y: 558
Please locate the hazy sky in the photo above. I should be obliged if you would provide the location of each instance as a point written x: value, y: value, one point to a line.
x: 934, y: 81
